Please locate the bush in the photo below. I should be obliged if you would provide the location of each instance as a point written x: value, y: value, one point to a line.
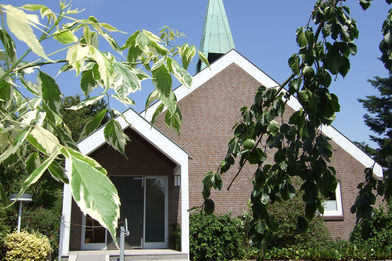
x: 214, y: 237
x: 26, y: 246
x: 288, y: 235
x: 339, y: 250
x: 45, y: 221
x: 375, y: 233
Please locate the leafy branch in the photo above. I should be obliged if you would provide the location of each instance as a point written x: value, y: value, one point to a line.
x: 300, y: 149
x: 37, y: 122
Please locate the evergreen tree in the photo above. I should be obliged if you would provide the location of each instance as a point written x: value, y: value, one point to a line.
x: 379, y: 120
x: 77, y: 119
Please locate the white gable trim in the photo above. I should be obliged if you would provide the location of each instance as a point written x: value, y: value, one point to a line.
x: 143, y: 128
x: 234, y: 57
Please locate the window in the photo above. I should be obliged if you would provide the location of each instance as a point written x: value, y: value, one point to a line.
x: 333, y: 205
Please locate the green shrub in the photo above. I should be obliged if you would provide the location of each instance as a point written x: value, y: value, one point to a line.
x: 26, y: 246
x: 42, y: 220
x: 288, y: 235
x: 214, y: 237
x: 375, y: 233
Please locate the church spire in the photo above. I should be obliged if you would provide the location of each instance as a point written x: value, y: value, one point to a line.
x: 216, y: 38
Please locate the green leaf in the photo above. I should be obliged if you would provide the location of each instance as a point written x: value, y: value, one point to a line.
x: 249, y: 144
x: 162, y: 80
x: 32, y: 162
x: 9, y: 45
x: 273, y: 127
x: 18, y: 141
x: 50, y: 91
x: 209, y: 206
x: 301, y: 38
x: 295, y: 85
x: 20, y: 24
x: 65, y: 37
x: 180, y: 73
x: 170, y: 102
x: 88, y: 82
x: 331, y: 61
x: 92, y: 190
x: 130, y: 41
x: 157, y: 112
x: 45, y: 11
x: 4, y: 136
x: 142, y: 41
x: 110, y: 40
x: 32, y: 7
x: 294, y: 63
x: 93, y: 124
x: 86, y: 103
x: 105, y: 67
x: 203, y: 58
x: 154, y: 95
x: 38, y: 172
x: 43, y: 140
x: 124, y: 100
x: 364, y: 4
x: 115, y: 136
x: 124, y: 80
x: 76, y: 56
x: 58, y: 172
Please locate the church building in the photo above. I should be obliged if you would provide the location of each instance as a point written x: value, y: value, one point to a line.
x: 161, y: 178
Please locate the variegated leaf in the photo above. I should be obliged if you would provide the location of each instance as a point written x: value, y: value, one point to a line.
x: 92, y: 190
x: 20, y: 24
x: 115, y: 136
x: 43, y: 140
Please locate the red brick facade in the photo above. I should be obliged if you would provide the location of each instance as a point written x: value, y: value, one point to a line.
x: 209, y: 114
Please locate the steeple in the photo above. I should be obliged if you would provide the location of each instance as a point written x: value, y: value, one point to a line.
x: 216, y: 39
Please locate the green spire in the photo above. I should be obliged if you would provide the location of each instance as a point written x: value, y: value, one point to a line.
x: 216, y: 39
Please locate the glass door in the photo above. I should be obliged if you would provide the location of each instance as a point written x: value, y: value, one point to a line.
x: 155, y: 221
x: 144, y: 202
x: 131, y: 193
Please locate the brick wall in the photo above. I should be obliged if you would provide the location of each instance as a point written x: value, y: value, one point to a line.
x: 208, y: 116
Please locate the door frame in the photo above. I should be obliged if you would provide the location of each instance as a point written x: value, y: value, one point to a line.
x: 146, y: 245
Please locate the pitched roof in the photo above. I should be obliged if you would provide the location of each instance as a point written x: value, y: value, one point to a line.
x: 216, y: 36
x: 234, y: 57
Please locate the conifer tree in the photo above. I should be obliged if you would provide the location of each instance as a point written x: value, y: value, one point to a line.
x: 379, y: 119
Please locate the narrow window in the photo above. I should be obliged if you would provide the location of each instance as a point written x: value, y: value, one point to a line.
x: 333, y: 204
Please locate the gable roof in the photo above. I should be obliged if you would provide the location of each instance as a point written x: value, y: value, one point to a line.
x: 143, y: 128
x: 234, y: 57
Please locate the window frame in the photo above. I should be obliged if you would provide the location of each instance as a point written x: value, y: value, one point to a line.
x: 339, y: 206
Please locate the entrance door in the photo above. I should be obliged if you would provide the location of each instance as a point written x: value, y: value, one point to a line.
x: 155, y: 210
x: 131, y: 193
x: 144, y: 202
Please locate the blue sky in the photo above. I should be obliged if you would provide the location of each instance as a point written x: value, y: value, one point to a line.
x: 263, y: 31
